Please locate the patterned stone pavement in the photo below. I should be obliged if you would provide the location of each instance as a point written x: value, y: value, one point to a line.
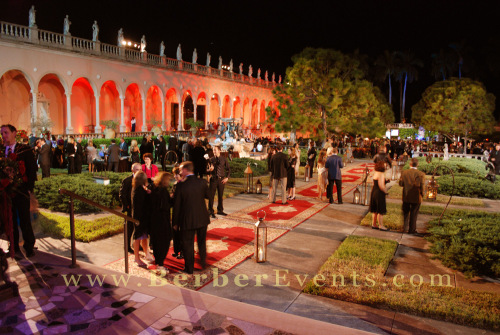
x: 55, y: 299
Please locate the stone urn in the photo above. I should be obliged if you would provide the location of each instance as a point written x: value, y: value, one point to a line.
x: 109, y: 133
x: 156, y: 130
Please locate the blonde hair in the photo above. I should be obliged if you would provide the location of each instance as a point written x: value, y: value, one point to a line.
x: 159, y: 179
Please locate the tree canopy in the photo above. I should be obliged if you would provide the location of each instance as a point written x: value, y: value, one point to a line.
x: 324, y: 92
x: 456, y: 107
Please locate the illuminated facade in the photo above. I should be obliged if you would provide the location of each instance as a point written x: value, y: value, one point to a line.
x: 78, y: 83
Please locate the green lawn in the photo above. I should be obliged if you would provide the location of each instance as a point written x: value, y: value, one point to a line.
x: 355, y: 273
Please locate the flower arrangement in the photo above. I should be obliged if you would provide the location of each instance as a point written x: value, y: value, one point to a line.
x: 12, y: 175
x: 21, y: 133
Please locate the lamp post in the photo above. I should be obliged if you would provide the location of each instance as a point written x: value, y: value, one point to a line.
x: 260, y: 253
x: 432, y: 188
x: 249, y: 179
x: 365, y: 188
x: 258, y: 187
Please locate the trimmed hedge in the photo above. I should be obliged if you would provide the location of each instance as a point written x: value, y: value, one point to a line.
x: 47, y: 192
x: 107, y: 141
x: 469, y: 185
x: 238, y: 166
x: 468, y: 241
x: 458, y: 165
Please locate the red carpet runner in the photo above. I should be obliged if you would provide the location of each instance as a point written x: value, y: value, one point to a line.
x: 230, y: 240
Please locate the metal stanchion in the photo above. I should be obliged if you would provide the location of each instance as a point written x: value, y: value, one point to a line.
x: 125, y: 244
x: 72, y: 231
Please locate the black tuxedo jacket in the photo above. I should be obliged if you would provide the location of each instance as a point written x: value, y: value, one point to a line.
x: 279, y: 165
x: 126, y: 193
x: 190, y: 210
x: 44, y: 154
x: 25, y: 153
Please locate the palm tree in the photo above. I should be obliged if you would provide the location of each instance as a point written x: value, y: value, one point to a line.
x: 459, y: 48
x: 442, y: 64
x: 406, y: 74
x: 386, y: 65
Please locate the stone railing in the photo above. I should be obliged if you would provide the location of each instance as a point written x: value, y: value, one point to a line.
x: 35, y: 36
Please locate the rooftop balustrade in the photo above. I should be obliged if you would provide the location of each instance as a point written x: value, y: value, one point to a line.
x: 42, y: 38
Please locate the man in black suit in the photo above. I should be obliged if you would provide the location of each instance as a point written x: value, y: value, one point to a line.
x: 279, y: 167
x: 311, y: 157
x: 196, y: 155
x: 219, y: 171
x: 333, y: 164
x: 21, y: 200
x: 126, y: 200
x: 44, y: 157
x: 79, y: 155
x: 113, y: 156
x: 191, y: 215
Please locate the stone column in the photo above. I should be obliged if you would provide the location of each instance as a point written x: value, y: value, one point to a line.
x: 97, y: 128
x: 195, y: 112
x: 69, y: 129
x: 231, y: 104
x: 181, y: 109
x: 144, y: 127
x: 207, y: 111
x: 123, y: 127
x: 163, y: 126
x: 220, y: 110
x: 34, y: 106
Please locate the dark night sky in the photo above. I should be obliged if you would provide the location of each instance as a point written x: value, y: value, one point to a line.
x: 267, y: 33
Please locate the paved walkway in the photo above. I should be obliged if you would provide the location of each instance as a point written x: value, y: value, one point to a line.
x: 282, y: 307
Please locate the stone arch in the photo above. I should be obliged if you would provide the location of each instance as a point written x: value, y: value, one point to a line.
x: 172, y: 109
x: 16, y: 99
x: 187, y: 108
x: 214, y: 108
x: 201, y: 108
x: 237, y: 107
x: 109, y: 102
x: 82, y: 106
x: 263, y: 117
x: 154, y: 101
x: 226, y: 107
x: 133, y: 105
x: 53, y: 90
x: 254, y: 119
x: 246, y: 112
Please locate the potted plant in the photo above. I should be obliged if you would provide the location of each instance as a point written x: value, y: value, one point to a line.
x: 110, y: 129
x: 155, y: 126
x: 194, y: 125
x: 42, y: 125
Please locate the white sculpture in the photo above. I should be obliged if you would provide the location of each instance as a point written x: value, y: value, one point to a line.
x: 258, y: 73
x: 32, y: 18
x: 250, y: 70
x: 266, y: 77
x: 143, y: 43
x: 162, y: 49
x: 231, y: 65
x: 95, y: 32
x: 279, y: 79
x: 220, y: 62
x: 67, y: 23
x: 179, y: 52
x: 208, y: 58
x: 195, y: 56
x: 446, y: 155
x: 241, y: 68
x: 120, y: 37
x: 272, y: 78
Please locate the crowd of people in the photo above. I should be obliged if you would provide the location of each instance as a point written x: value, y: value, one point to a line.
x: 201, y: 172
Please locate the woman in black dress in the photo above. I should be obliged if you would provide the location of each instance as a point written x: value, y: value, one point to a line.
x: 377, y: 200
x: 161, y: 229
x: 71, y: 152
x: 141, y: 210
x: 290, y: 178
x: 270, y: 153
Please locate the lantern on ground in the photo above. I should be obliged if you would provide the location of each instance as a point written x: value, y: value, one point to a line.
x: 365, y: 188
x: 249, y: 179
x: 258, y: 187
x: 432, y: 189
x: 306, y: 174
x: 260, y: 253
x: 356, y: 196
